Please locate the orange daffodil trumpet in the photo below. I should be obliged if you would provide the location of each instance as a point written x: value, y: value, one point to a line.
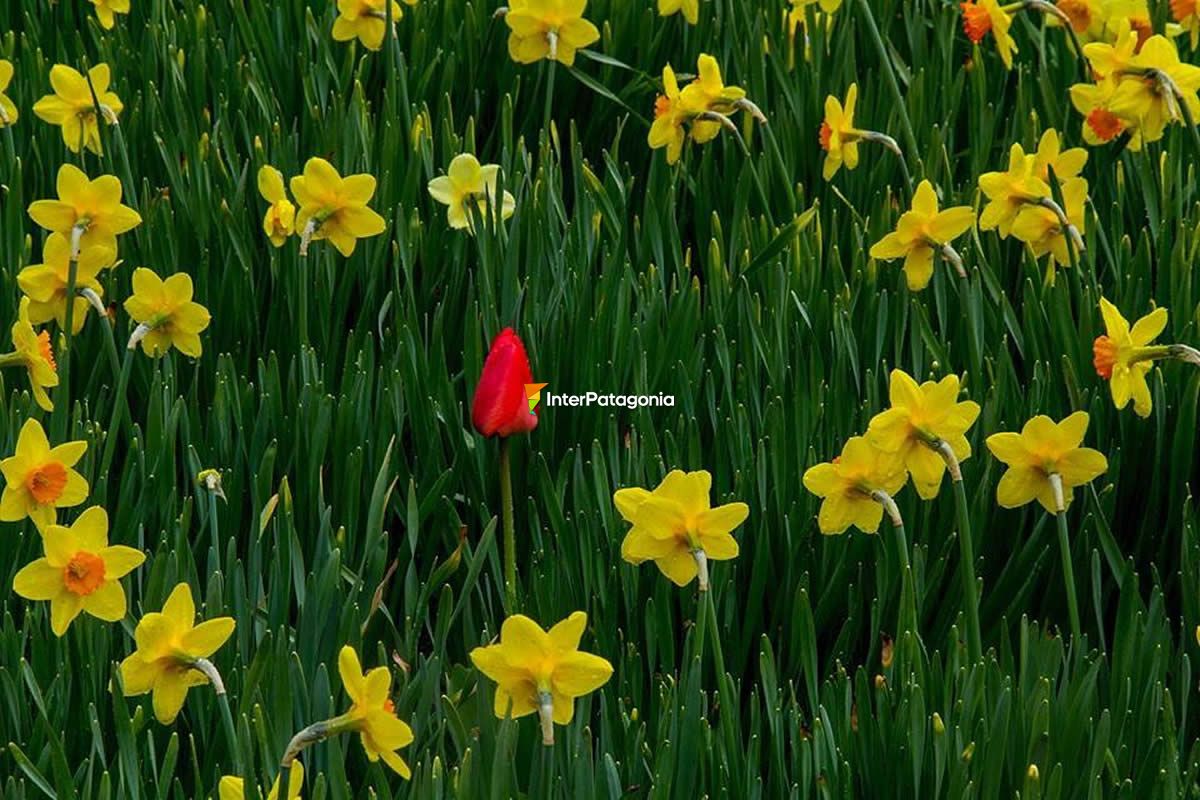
x: 923, y: 231
x: 80, y: 572
x: 173, y: 653
x: 925, y: 429
x: 469, y: 186
x: 280, y: 220
x: 333, y: 207
x: 166, y: 314
x: 551, y: 29
x: 371, y: 715
x: 840, y: 139
x: 1124, y: 355
x: 77, y: 104
x: 542, y: 671
x: 8, y: 110
x: 365, y: 20
x: 856, y: 487
x: 675, y: 527
x: 699, y: 110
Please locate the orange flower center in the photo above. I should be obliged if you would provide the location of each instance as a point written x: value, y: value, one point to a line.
x: 662, y: 104
x: 46, y: 349
x: 1182, y: 9
x: 84, y: 573
x: 825, y: 135
x: 389, y: 706
x: 1078, y: 12
x: 46, y: 483
x: 1105, y: 124
x: 1104, y: 356
x: 976, y: 21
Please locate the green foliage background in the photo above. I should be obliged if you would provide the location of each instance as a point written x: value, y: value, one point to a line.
x: 342, y: 387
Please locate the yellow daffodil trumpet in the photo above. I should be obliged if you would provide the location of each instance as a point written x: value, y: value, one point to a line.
x: 372, y: 715
x: 1123, y: 355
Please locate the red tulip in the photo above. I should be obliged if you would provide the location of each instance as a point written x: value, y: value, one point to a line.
x: 500, y: 407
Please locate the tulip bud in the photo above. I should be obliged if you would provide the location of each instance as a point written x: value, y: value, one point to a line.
x: 500, y: 407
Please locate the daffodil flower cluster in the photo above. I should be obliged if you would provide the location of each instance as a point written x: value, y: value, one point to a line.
x: 699, y: 111
x: 331, y: 207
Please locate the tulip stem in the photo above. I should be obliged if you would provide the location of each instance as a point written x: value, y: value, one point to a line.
x: 1064, y: 546
x: 966, y: 548
x: 510, y: 538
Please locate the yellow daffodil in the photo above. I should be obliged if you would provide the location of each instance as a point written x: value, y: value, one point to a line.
x: 365, y: 20
x: 166, y: 314
x: 1108, y: 59
x: 87, y: 212
x: 542, y: 671
x: 80, y: 571
x: 169, y: 643
x: 675, y: 527
x: 1009, y: 192
x: 855, y: 486
x: 280, y: 220
x: 988, y: 16
x: 553, y: 29
x: 105, y: 10
x: 1050, y: 155
x: 701, y: 108
x: 1131, y: 15
x: 838, y: 136
x: 1100, y: 124
x: 8, y: 110
x: 1043, y: 231
x: 922, y: 422
x: 74, y: 109
x: 372, y: 713
x: 39, y: 479
x: 1124, y: 355
x: 231, y: 788
x: 797, y: 15
x: 45, y: 284
x: 689, y: 8
x: 668, y: 130
x: 1152, y: 87
x: 333, y: 207
x: 468, y: 185
x: 32, y: 351
x: 708, y: 95
x: 1187, y: 14
x: 1045, y: 462
x: 923, y: 231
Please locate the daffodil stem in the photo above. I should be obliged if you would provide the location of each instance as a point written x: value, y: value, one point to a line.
x: 215, y: 563
x: 317, y: 732
x: 510, y: 535
x: 551, y: 68
x: 966, y: 546
x: 110, y: 435
x: 546, y: 717
x: 1064, y: 546
x: 62, y: 412
x: 889, y: 74
x: 1186, y: 113
x: 724, y: 690
x: 206, y: 667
